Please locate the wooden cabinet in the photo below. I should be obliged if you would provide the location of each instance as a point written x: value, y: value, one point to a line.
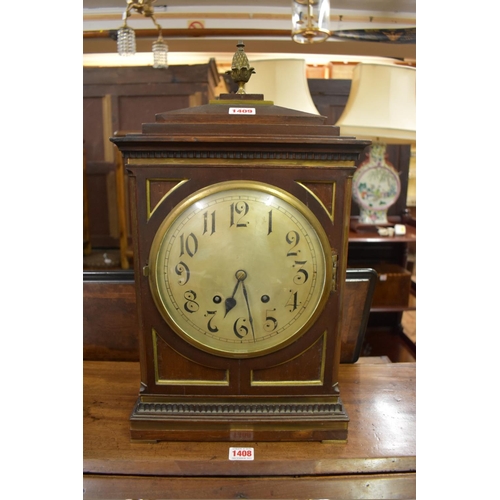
x: 121, y: 100
x: 391, y: 257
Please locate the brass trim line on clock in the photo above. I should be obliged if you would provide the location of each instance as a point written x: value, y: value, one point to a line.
x: 163, y: 381
x: 295, y: 383
x: 150, y: 211
x: 346, y: 223
x: 331, y: 214
x: 217, y: 161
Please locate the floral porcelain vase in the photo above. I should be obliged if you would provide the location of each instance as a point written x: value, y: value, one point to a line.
x: 375, y: 187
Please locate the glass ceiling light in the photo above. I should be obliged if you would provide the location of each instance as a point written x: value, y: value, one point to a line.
x: 126, y: 41
x: 310, y: 20
x: 160, y: 51
x: 126, y: 35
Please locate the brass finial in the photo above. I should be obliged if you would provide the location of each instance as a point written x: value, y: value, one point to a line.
x: 240, y: 68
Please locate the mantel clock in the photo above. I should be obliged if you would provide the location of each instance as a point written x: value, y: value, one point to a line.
x: 240, y: 215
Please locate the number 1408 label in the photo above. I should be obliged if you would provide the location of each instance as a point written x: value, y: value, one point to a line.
x: 241, y: 453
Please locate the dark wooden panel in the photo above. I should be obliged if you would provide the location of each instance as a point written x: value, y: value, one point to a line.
x: 93, y: 128
x: 109, y: 317
x: 99, y: 207
x: 146, y: 75
x: 330, y: 97
x: 136, y: 110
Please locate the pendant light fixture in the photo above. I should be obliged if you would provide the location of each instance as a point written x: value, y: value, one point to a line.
x: 310, y: 20
x: 126, y: 35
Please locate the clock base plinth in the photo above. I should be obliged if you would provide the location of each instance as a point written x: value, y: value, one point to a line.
x: 305, y: 419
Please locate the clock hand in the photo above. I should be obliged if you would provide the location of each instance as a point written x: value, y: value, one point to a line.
x: 248, y: 307
x: 230, y: 302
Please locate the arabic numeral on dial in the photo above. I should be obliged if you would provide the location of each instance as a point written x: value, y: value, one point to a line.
x: 210, y: 327
x: 182, y: 270
x: 188, y: 244
x: 190, y: 305
x: 292, y: 238
x: 240, y: 329
x: 271, y: 323
x: 302, y: 275
x: 238, y: 211
x: 293, y: 302
x: 209, y: 222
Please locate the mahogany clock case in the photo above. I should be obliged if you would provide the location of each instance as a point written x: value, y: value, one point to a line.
x: 188, y: 393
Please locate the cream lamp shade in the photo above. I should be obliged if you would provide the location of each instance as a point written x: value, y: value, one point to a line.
x: 382, y: 104
x: 382, y: 108
x: 284, y: 82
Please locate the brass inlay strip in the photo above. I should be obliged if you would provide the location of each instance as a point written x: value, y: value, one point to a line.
x: 163, y: 381
x: 236, y: 102
x: 296, y: 383
x: 346, y: 222
x: 331, y: 214
x: 150, y: 211
x: 263, y: 161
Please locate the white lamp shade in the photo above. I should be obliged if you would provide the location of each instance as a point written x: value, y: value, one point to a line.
x: 381, y: 105
x: 283, y: 81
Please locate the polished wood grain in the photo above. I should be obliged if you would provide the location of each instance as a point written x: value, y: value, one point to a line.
x: 381, y: 445
x: 391, y: 486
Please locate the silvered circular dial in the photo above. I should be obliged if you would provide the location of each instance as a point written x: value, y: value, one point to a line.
x: 240, y: 269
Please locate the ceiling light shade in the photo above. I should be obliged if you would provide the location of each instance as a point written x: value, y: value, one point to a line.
x: 382, y: 104
x: 382, y: 108
x: 160, y: 51
x: 310, y: 20
x: 126, y: 41
x: 283, y: 81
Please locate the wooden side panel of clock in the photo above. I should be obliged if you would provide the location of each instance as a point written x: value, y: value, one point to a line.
x: 308, y: 366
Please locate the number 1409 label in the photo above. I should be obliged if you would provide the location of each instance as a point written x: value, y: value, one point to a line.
x: 241, y: 453
x: 241, y: 111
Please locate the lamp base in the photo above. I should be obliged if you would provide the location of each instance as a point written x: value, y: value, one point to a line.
x: 358, y: 226
x: 378, y: 217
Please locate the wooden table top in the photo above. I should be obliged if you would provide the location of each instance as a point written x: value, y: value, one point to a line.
x: 379, y: 399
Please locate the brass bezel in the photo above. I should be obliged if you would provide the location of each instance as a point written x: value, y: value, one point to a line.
x: 235, y: 185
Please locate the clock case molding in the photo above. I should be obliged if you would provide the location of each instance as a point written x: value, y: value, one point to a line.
x: 187, y: 394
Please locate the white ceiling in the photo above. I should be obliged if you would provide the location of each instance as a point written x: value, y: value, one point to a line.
x: 232, y: 17
x: 364, y: 5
